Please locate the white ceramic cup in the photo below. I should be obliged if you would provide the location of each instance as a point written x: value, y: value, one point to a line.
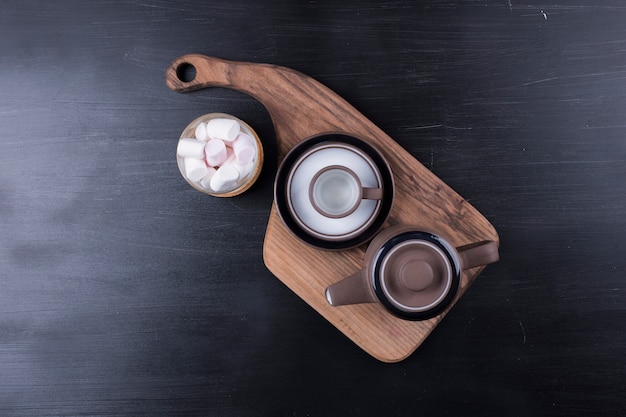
x: 336, y: 191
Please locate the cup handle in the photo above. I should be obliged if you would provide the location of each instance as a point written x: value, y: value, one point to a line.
x: 353, y: 289
x: 478, y: 254
x: 372, y: 193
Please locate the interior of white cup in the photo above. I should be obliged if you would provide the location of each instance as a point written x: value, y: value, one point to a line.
x: 335, y: 191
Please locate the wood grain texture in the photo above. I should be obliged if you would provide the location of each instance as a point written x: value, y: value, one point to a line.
x: 301, y: 107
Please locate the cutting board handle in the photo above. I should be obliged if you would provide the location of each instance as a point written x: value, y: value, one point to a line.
x: 209, y: 72
x: 300, y: 107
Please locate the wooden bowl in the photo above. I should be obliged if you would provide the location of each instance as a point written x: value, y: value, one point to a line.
x: 242, y: 184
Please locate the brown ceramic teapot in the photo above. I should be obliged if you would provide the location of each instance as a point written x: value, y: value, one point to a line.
x: 414, y: 273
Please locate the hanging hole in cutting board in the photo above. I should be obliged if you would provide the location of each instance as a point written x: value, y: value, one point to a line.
x: 186, y: 72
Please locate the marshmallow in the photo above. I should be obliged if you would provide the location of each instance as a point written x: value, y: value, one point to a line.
x: 224, y: 129
x: 205, y: 182
x: 244, y: 169
x: 190, y: 148
x: 244, y: 148
x: 230, y: 157
x: 215, y: 151
x: 201, y: 132
x: 195, y: 169
x: 224, y: 178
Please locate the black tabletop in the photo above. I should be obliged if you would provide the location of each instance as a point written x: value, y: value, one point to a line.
x: 126, y: 292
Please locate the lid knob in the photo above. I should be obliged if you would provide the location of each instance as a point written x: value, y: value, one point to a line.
x: 416, y: 275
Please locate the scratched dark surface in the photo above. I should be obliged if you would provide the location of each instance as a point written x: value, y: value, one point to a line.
x: 125, y: 292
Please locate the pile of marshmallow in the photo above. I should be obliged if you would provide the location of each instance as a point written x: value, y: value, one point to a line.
x: 220, y: 156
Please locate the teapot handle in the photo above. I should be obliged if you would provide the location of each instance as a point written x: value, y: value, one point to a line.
x: 478, y: 254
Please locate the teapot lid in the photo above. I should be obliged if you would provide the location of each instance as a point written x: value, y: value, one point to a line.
x: 416, y: 275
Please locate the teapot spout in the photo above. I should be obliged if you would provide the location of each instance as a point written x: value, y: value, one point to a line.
x: 354, y: 289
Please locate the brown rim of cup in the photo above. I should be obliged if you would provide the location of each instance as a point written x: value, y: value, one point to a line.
x: 345, y: 213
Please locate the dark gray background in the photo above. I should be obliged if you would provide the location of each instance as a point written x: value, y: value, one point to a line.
x: 123, y: 291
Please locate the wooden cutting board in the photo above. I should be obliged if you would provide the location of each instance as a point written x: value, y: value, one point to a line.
x: 301, y: 107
